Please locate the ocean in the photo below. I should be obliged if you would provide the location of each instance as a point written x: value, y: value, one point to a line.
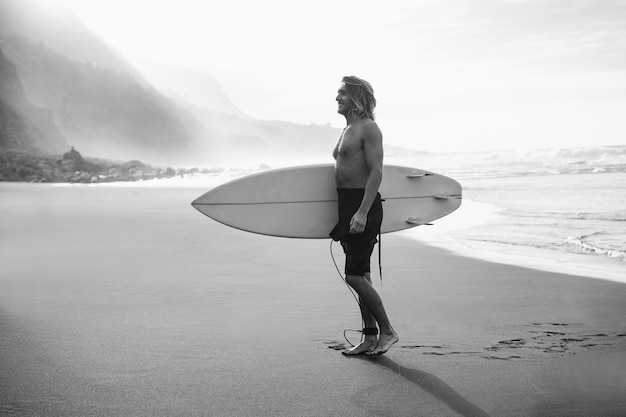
x: 562, y: 210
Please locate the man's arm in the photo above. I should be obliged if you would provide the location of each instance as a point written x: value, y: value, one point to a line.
x: 373, y: 152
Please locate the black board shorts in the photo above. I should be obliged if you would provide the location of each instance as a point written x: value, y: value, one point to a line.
x: 358, y: 247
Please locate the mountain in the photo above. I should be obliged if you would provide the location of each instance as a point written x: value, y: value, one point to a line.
x: 61, y: 85
x: 188, y: 85
x: 243, y: 139
x: 239, y: 137
x: 100, y: 104
x: 22, y: 125
x: 55, y: 27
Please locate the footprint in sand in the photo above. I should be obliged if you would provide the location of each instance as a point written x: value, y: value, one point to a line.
x: 335, y: 345
x: 502, y: 359
x: 422, y: 346
x: 552, y: 338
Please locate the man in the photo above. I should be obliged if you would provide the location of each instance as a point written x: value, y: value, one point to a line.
x: 358, y: 174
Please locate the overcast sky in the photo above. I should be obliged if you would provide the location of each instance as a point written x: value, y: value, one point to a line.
x: 448, y: 74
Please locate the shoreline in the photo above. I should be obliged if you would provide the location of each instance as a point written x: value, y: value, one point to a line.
x: 581, y: 265
x: 533, y: 258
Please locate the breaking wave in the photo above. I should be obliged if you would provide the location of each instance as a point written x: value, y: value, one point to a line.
x: 583, y: 244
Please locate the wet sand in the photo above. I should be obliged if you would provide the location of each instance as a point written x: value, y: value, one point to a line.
x: 126, y: 301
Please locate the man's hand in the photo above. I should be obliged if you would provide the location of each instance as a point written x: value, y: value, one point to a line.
x: 358, y: 222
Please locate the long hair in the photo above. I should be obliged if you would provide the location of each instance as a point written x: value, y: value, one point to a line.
x: 362, y: 95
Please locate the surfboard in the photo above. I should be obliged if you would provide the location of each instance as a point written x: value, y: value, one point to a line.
x: 301, y: 202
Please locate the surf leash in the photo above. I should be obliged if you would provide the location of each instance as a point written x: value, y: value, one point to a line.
x: 356, y: 298
x: 380, y: 254
x: 353, y: 292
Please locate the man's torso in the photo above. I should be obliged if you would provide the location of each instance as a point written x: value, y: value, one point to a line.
x: 351, y: 169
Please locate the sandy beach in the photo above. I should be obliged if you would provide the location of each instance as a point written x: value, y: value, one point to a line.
x: 125, y: 301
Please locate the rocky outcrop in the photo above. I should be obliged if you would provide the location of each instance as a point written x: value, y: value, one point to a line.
x: 26, y: 166
x: 74, y: 159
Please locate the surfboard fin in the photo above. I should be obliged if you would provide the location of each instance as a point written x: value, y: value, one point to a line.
x: 418, y: 174
x: 417, y: 221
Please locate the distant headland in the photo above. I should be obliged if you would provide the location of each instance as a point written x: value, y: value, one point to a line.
x: 72, y: 167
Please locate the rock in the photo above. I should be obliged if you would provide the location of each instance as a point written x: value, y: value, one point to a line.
x: 80, y: 176
x: 19, y: 165
x: 136, y: 165
x: 74, y: 155
x: 115, y: 173
x: 68, y: 165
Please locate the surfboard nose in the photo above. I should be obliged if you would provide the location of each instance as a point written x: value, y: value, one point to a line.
x: 197, y: 203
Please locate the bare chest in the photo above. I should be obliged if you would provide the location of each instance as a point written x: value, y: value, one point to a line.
x: 349, y: 145
x: 350, y: 166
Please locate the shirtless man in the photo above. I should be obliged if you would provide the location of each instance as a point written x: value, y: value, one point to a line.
x: 358, y: 174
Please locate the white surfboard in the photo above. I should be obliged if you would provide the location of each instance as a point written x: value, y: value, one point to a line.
x: 301, y: 202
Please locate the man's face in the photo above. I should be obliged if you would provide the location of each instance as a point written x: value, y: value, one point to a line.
x: 344, y: 103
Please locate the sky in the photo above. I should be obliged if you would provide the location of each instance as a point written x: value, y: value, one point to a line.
x: 447, y: 74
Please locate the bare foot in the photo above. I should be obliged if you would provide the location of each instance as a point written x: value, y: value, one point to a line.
x: 368, y: 343
x: 384, y: 343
